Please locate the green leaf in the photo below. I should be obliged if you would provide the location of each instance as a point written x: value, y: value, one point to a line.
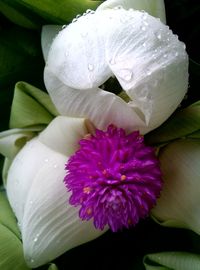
x: 7, y: 218
x: 184, y: 123
x: 172, y: 261
x: 11, y: 252
x: 32, y: 13
x: 20, y: 56
x: 30, y: 107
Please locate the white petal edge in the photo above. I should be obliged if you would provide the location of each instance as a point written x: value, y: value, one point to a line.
x: 48, y: 33
x: 155, y: 8
x: 178, y: 205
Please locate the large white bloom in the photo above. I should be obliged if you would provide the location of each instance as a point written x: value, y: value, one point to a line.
x: 149, y: 62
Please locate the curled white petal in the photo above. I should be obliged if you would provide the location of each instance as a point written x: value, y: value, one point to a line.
x: 149, y: 62
x: 39, y: 198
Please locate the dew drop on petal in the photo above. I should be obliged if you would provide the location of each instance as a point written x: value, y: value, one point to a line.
x: 112, y: 61
x: 126, y: 74
x: 159, y: 36
x: 90, y: 67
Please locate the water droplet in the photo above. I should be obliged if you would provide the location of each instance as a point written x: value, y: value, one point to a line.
x: 90, y: 67
x: 117, y: 7
x: 35, y: 239
x: 64, y: 26
x: 176, y: 54
x: 144, y: 44
x: 32, y: 260
x: 159, y: 36
x: 112, y: 61
x: 165, y: 55
x: 148, y: 72
x: 126, y: 74
x: 143, y: 28
x: 46, y: 160
x: 78, y: 16
x: 19, y: 224
x: 55, y: 166
x: 74, y: 20
x: 90, y: 11
x: 145, y: 23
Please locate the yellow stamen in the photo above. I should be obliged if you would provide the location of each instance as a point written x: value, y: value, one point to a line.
x: 89, y: 211
x: 87, y: 190
x: 123, y: 177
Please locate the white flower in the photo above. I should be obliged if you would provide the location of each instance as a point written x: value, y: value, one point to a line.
x: 149, y: 62
x: 36, y: 191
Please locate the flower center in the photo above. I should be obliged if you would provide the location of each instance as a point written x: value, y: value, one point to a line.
x: 114, y: 178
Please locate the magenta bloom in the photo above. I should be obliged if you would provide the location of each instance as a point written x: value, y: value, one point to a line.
x: 114, y: 177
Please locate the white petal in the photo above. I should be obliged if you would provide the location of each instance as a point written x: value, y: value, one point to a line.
x: 178, y: 205
x: 50, y: 225
x: 155, y: 8
x: 148, y: 60
x: 39, y: 198
x: 156, y: 77
x: 101, y: 107
x: 49, y: 32
x: 63, y: 134
x: 80, y: 42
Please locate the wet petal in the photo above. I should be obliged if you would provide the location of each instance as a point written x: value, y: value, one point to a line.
x: 149, y: 62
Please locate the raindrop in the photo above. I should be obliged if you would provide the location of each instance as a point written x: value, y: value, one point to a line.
x: 78, y: 16
x: 35, y: 239
x: 112, y: 61
x: 90, y: 67
x: 165, y: 55
x: 148, y: 72
x: 74, y: 20
x: 176, y: 54
x: 32, y: 260
x: 146, y: 23
x: 64, y: 26
x: 143, y: 28
x: 90, y: 11
x: 55, y: 166
x: 144, y: 44
x: 126, y: 74
x: 46, y: 160
x: 159, y: 36
x: 117, y: 7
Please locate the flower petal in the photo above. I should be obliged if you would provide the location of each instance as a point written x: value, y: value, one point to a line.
x: 47, y: 35
x: 101, y: 107
x: 149, y: 62
x: 38, y: 196
x: 179, y: 201
x: 155, y: 8
x: 50, y: 225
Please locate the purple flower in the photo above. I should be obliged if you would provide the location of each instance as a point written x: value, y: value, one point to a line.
x: 114, y: 177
